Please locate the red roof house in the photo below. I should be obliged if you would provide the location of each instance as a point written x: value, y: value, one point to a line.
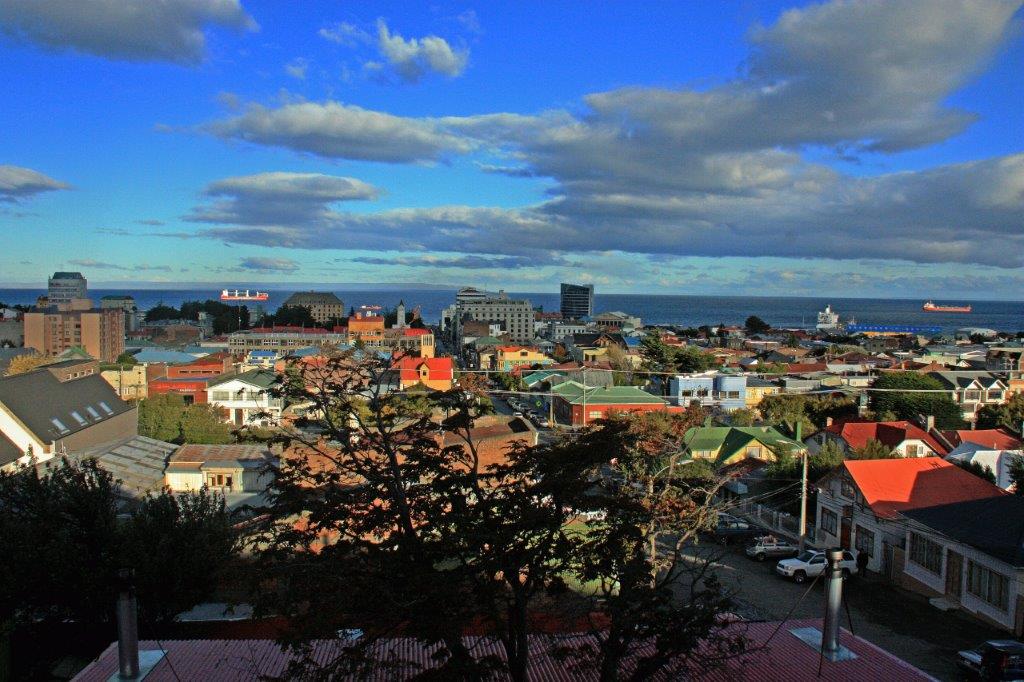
x: 903, y: 437
x: 997, y: 439
x: 435, y: 373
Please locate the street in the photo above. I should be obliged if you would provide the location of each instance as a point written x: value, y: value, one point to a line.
x: 902, y: 623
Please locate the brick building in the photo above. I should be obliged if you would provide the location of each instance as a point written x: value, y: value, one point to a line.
x: 100, y: 332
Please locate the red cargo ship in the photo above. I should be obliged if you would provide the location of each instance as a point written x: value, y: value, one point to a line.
x: 930, y: 307
x: 243, y: 295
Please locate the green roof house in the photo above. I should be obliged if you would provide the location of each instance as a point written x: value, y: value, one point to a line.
x: 725, y: 445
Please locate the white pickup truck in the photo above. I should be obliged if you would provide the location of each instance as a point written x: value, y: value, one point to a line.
x: 811, y: 564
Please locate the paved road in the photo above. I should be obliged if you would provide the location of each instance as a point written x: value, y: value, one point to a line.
x: 899, y: 622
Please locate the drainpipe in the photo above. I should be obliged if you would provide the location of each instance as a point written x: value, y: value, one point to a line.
x: 127, y: 628
x: 833, y: 600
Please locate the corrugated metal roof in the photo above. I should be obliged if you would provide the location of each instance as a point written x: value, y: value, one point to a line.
x: 137, y: 462
x: 778, y: 658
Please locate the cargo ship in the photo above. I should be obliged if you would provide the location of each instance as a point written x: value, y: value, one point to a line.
x: 243, y: 295
x: 930, y: 307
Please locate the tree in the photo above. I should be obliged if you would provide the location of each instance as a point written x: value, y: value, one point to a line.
x: 202, y: 424
x: 622, y: 367
x: 924, y: 396
x: 742, y: 417
x: 755, y: 325
x: 27, y: 363
x: 160, y: 417
x: 976, y: 468
x: 1009, y: 415
x: 126, y: 359
x: 631, y: 551
x: 179, y: 546
x: 162, y: 312
x: 296, y: 315
x: 1017, y: 474
x: 690, y: 359
x: 873, y: 449
x: 787, y: 469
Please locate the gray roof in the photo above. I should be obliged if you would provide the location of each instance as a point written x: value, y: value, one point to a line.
x: 9, y: 452
x: 137, y: 462
x: 993, y: 525
x: 47, y: 406
x: 263, y: 378
x: 964, y: 379
x: 8, y: 354
x: 308, y: 298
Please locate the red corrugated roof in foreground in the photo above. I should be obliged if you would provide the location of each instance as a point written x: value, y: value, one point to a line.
x: 782, y: 658
x: 894, y: 485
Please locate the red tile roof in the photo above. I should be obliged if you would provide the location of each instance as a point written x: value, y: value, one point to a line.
x: 857, y: 434
x: 805, y: 367
x: 997, y: 439
x: 775, y: 655
x: 894, y: 485
x: 437, y: 368
x: 413, y: 331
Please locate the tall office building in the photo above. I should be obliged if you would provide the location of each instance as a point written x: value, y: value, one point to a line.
x: 577, y: 301
x: 515, y: 316
x: 65, y: 287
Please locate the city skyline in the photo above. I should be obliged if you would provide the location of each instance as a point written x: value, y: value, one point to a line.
x: 862, y: 149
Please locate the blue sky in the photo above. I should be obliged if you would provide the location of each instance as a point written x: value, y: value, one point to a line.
x: 853, y: 148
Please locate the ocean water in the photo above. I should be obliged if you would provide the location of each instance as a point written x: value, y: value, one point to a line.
x: 691, y: 311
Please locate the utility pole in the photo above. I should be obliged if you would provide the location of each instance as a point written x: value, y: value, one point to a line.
x: 584, y: 373
x: 803, y: 504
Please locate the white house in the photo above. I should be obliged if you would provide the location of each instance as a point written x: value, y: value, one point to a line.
x: 994, y: 459
x: 973, y: 390
x: 859, y: 503
x: 970, y: 553
x: 903, y: 438
x: 224, y: 468
x: 245, y: 398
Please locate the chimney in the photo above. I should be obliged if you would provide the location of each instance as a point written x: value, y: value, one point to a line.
x: 833, y: 601
x: 929, y: 423
x: 127, y: 627
x: 799, y: 430
x: 828, y: 422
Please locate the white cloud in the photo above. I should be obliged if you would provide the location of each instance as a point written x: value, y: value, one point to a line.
x: 337, y: 130
x: 345, y: 34
x: 414, y: 58
x: 168, y: 30
x: 18, y: 183
x: 263, y: 264
x: 296, y: 68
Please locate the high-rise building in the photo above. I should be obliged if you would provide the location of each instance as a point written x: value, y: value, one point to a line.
x: 127, y: 304
x: 65, y: 287
x: 577, y: 301
x: 323, y: 306
x: 515, y: 316
x: 100, y: 332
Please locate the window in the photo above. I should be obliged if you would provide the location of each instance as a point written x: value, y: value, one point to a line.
x: 989, y: 586
x: 847, y: 490
x: 912, y: 450
x: 925, y: 553
x: 734, y: 394
x: 995, y: 396
x: 59, y: 424
x: 829, y: 521
x: 221, y: 395
x: 972, y: 396
x: 106, y: 408
x: 865, y: 541
x: 78, y: 418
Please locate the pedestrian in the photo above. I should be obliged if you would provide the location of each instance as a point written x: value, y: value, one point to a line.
x: 862, y: 562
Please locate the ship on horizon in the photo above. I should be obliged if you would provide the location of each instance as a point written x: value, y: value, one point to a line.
x: 243, y: 295
x: 931, y: 307
x: 828, y: 321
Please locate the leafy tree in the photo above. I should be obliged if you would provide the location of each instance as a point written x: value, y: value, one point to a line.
x: 620, y: 363
x: 202, y: 424
x: 1017, y: 474
x: 27, y: 363
x: 1009, y: 415
x: 976, y: 468
x: 296, y: 315
x: 755, y: 325
x: 690, y: 359
x: 873, y: 449
x: 743, y: 417
x: 909, y: 404
x: 126, y: 359
x: 162, y: 312
x: 160, y: 417
x: 788, y: 468
x: 180, y: 546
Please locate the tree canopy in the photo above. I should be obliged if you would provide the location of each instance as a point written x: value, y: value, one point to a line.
x: 166, y: 417
x: 755, y: 325
x: 27, y: 363
x: 909, y: 405
x: 1009, y: 415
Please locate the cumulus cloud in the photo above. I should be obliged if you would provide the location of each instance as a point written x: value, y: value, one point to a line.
x: 101, y: 265
x: 337, y: 130
x: 262, y: 264
x: 18, y: 183
x: 344, y: 33
x: 169, y: 30
x: 279, y: 198
x: 414, y: 58
x: 296, y: 68
x: 714, y: 172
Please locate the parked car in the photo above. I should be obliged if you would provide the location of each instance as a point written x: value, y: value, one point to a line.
x: 811, y: 564
x: 996, y: 659
x: 770, y: 546
x: 732, y: 528
x: 517, y: 413
x: 542, y: 422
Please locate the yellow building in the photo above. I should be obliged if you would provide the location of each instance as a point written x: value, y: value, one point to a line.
x: 757, y: 389
x: 130, y: 383
x: 507, y: 358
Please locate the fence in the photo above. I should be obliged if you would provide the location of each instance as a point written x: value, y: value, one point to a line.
x: 772, y: 519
